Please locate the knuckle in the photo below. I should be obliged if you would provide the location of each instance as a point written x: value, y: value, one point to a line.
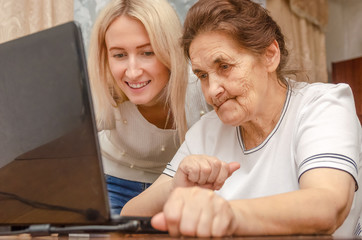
x: 219, y: 163
x: 219, y: 182
x: 207, y: 169
x: 224, y: 165
x: 172, y: 219
x: 188, y: 230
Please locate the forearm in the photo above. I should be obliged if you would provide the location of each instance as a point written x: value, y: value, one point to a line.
x: 309, y: 211
x: 150, y: 201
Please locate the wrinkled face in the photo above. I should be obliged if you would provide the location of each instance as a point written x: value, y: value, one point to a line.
x: 133, y: 64
x: 233, y: 79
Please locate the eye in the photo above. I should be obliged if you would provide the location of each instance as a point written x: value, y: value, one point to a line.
x: 202, y: 76
x: 148, y: 53
x: 119, y: 55
x: 224, y: 66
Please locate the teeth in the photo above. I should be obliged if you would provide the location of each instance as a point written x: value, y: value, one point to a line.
x: 138, y: 85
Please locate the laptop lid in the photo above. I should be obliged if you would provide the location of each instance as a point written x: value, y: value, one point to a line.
x: 50, y: 166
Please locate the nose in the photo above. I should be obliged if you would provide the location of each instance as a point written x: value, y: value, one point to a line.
x: 133, y: 70
x: 216, y: 88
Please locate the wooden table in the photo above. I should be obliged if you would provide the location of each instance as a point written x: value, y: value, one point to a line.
x: 115, y: 236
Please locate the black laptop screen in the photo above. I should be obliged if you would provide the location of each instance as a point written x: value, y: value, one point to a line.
x: 50, y: 169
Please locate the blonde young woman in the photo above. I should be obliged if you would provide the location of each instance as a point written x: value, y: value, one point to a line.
x: 139, y: 79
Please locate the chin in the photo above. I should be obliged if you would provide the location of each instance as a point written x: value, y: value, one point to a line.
x: 228, y: 120
x: 138, y: 102
x: 138, y: 99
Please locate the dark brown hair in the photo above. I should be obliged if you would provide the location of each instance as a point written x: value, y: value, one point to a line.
x: 245, y: 21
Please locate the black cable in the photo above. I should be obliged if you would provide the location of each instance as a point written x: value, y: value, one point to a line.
x: 131, y: 226
x: 89, y: 214
x: 6, y: 233
x: 47, y: 229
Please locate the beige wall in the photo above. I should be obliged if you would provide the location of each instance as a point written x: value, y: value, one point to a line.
x: 344, y: 31
x: 22, y: 17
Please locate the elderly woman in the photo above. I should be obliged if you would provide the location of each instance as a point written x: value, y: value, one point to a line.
x: 275, y: 157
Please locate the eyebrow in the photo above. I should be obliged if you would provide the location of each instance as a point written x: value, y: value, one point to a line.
x: 138, y: 47
x: 196, y: 71
x: 144, y: 45
x: 217, y: 60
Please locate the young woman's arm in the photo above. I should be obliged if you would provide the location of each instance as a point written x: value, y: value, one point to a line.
x: 150, y: 201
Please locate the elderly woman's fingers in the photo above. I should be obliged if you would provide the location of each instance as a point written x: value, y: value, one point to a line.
x: 233, y: 166
x: 159, y: 222
x: 191, y: 212
x: 191, y: 169
x: 173, y: 211
x: 216, y: 166
x: 196, y: 212
x: 223, y: 224
x: 206, y: 167
x: 221, y: 177
x: 204, y: 171
x: 225, y: 172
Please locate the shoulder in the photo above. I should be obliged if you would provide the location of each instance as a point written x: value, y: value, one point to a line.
x: 316, y: 90
x: 317, y: 94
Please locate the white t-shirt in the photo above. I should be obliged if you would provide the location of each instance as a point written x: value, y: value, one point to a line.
x: 318, y: 128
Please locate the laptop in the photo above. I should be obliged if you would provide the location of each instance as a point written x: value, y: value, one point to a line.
x: 51, y: 175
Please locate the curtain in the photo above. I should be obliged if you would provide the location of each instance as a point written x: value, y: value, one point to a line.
x: 22, y: 17
x: 303, y: 24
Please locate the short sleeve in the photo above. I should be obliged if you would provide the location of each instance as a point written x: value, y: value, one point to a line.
x: 172, y: 166
x: 328, y: 133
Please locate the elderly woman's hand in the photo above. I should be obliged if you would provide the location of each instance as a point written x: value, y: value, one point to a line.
x: 195, y: 211
x: 204, y: 171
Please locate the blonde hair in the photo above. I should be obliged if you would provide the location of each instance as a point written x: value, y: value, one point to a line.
x: 164, y: 30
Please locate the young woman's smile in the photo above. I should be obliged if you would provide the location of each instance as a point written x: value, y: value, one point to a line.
x: 138, y: 85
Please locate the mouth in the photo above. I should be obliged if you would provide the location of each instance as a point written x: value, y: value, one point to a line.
x: 220, y: 101
x: 138, y: 85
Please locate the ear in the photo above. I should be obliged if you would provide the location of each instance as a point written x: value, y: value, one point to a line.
x: 272, y: 56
